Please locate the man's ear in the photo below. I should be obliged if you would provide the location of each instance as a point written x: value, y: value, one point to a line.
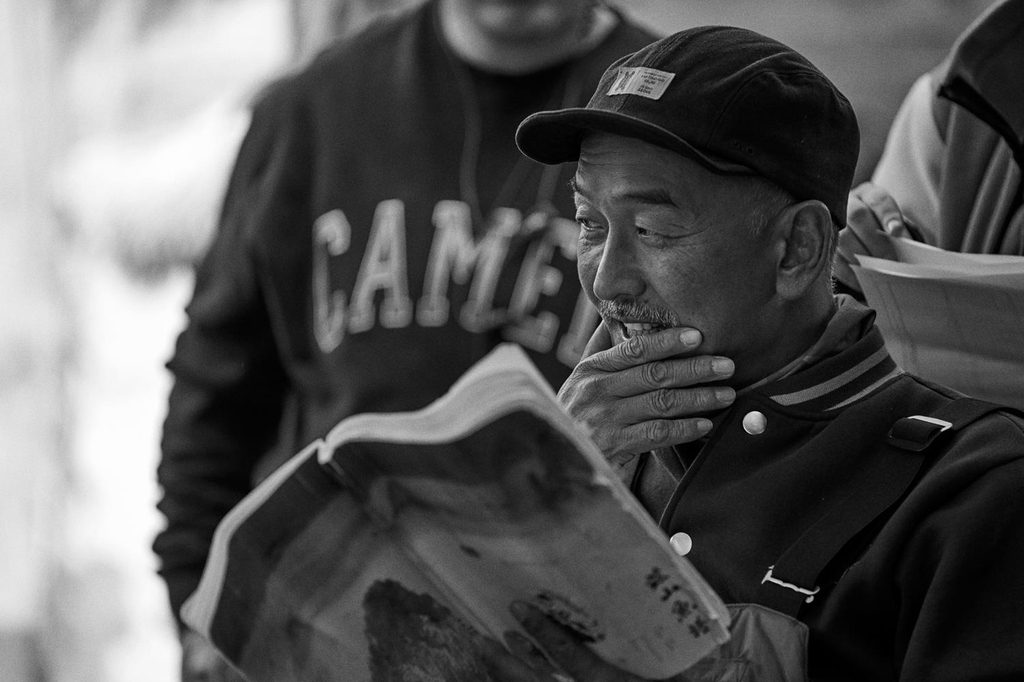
x: 804, y: 232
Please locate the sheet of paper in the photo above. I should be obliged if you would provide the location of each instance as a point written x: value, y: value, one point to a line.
x: 1000, y: 275
x: 964, y: 331
x: 918, y: 253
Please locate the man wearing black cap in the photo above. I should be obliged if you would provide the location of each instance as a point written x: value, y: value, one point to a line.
x: 867, y: 525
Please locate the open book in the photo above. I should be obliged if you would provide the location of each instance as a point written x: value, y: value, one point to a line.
x: 954, y: 318
x: 384, y: 551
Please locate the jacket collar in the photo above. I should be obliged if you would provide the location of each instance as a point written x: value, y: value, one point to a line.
x: 848, y: 362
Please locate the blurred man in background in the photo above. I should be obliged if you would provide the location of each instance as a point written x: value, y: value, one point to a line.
x: 380, y: 233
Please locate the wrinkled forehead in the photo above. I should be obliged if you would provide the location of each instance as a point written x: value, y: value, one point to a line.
x: 612, y: 166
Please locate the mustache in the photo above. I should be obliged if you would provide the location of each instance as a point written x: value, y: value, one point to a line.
x: 638, y: 310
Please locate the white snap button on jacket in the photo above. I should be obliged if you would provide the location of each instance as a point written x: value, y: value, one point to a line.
x: 755, y: 423
x: 681, y: 543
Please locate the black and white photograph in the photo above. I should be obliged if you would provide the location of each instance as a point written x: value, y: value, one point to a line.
x: 511, y: 340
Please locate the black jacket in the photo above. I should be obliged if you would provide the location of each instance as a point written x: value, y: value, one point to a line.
x: 909, y: 549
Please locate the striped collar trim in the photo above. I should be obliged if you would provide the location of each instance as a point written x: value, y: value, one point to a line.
x: 839, y: 381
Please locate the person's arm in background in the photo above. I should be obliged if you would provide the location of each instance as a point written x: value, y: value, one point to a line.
x: 952, y: 159
x: 229, y: 386
x: 910, y: 168
x: 901, y: 200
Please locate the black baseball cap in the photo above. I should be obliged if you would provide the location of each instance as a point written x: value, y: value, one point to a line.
x: 733, y: 100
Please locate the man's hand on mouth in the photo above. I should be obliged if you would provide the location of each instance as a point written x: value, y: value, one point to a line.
x: 647, y: 392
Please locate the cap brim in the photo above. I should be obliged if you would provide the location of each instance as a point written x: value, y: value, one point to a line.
x: 552, y: 137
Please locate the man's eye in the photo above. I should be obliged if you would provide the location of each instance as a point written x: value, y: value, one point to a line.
x: 586, y: 223
x: 659, y: 232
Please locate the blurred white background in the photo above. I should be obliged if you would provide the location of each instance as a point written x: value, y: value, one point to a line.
x: 119, y: 120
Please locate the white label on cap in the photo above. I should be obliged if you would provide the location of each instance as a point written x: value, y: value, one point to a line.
x: 640, y: 80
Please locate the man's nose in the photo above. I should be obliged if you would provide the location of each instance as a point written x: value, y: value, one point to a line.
x: 618, y: 274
